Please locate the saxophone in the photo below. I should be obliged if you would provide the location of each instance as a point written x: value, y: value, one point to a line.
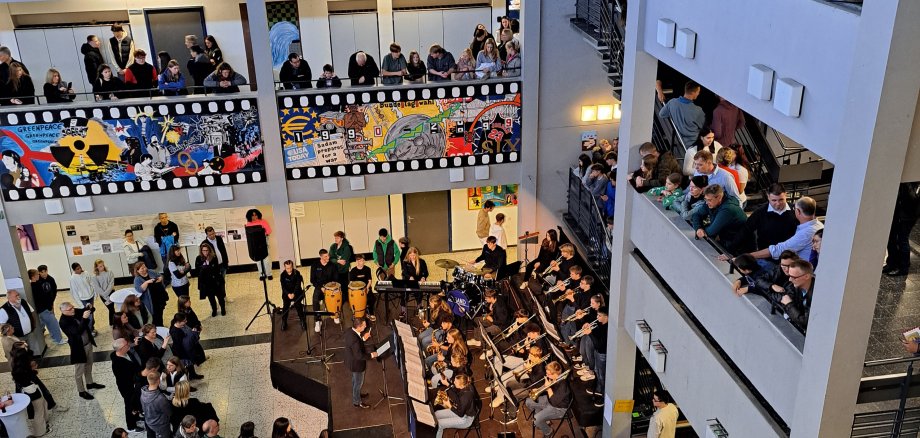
x: 433, y: 348
x: 441, y: 398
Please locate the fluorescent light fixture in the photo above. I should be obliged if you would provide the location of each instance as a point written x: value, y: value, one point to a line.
x: 589, y: 113
x: 605, y: 112
x: 617, y: 112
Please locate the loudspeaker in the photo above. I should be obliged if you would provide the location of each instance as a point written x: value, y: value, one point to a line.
x: 256, y: 242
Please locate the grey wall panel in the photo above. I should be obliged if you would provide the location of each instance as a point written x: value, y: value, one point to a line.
x: 406, y: 30
x: 342, y: 34
x: 64, y: 50
x: 459, y: 25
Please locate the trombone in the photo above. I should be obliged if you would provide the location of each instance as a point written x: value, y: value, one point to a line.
x: 557, y: 288
x: 535, y: 393
x: 529, y: 366
x: 512, y: 329
x: 523, y: 342
x: 562, y: 297
x: 574, y: 316
x: 584, y: 331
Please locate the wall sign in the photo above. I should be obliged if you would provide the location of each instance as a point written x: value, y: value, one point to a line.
x: 380, y: 130
x: 91, y: 150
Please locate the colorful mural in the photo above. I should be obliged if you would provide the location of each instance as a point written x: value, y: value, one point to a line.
x: 325, y: 135
x: 501, y: 196
x: 147, y: 146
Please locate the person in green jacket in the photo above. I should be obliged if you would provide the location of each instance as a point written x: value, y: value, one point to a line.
x: 386, y: 255
x: 340, y: 255
x: 724, y: 214
x: 669, y: 192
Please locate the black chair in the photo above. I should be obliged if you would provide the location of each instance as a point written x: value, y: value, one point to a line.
x: 567, y: 417
x: 475, y: 426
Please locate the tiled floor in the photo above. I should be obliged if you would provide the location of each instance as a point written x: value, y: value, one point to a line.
x: 237, y: 381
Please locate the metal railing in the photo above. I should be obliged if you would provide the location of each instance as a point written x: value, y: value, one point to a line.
x: 589, y: 225
x: 890, y: 423
x: 603, y: 20
x: 126, y: 94
x: 346, y: 82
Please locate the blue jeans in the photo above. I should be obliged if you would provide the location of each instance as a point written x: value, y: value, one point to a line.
x: 447, y: 419
x: 586, y: 349
x: 46, y: 319
x: 357, y: 381
x: 600, y: 368
x: 568, y: 329
x: 544, y: 412
x: 425, y: 337
x: 92, y: 318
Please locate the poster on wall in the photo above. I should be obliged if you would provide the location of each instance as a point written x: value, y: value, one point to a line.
x: 398, y: 131
x: 501, y: 196
x: 27, y: 240
x: 146, y: 146
x: 283, y: 31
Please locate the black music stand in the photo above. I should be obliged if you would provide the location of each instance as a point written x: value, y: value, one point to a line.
x: 385, y: 393
x: 267, y: 305
x: 510, y: 400
x: 322, y: 357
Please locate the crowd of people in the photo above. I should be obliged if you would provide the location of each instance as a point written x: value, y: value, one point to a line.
x: 488, y: 56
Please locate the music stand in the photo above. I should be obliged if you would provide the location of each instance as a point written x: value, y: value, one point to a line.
x: 258, y: 232
x: 527, y: 239
x: 547, y: 326
x: 385, y: 392
x: 323, y: 357
x: 502, y: 392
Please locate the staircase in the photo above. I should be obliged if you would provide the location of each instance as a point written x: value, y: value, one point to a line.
x: 602, y: 24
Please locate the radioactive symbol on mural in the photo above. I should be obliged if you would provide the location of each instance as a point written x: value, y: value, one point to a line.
x: 84, y: 143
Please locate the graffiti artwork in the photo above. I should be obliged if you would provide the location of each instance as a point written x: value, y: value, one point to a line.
x: 145, y: 147
x: 325, y: 135
x: 501, y: 196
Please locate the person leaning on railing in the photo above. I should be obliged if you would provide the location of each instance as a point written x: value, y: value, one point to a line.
x: 19, y: 90
x: 224, y: 80
x: 440, y: 64
x: 513, y: 61
x: 107, y: 85
x: 724, y: 215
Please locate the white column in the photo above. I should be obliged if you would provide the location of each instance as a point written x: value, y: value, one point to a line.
x: 14, y: 266
x: 530, y: 114
x: 385, y: 27
x: 872, y: 143
x: 640, y: 70
x: 271, y: 131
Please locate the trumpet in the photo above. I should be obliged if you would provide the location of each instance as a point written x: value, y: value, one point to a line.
x: 523, y: 342
x: 584, y: 331
x: 574, y: 316
x: 548, y: 268
x: 565, y: 295
x: 557, y: 288
x: 529, y: 366
x: 441, y: 398
x: 512, y: 329
x: 535, y: 393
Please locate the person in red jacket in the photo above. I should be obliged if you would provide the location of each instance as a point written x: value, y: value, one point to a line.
x: 140, y: 75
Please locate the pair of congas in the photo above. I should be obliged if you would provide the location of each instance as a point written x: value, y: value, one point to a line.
x: 357, y: 298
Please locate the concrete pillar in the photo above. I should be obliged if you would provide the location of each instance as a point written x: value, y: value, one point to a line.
x: 385, y: 27
x: 640, y: 70
x: 872, y: 144
x: 271, y: 130
x: 530, y: 114
x: 13, y: 266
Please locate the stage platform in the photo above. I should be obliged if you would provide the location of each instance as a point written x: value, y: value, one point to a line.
x: 298, y: 374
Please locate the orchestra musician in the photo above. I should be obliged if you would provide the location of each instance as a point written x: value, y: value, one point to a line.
x: 575, y: 299
x: 457, y: 365
x: 436, y: 308
x: 522, y: 348
x: 567, y: 287
x: 439, y: 338
x: 531, y: 371
x: 323, y: 271
x: 453, y: 344
x: 413, y: 268
x: 567, y: 252
x: 291, y: 294
x: 362, y: 273
x: 493, y: 255
x: 554, y: 402
x: 461, y: 406
x: 598, y: 337
x: 549, y: 251
x: 586, y: 346
x: 496, y: 319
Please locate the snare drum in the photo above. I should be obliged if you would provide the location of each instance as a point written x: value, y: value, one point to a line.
x: 486, y: 283
x: 357, y: 298
x: 332, y: 295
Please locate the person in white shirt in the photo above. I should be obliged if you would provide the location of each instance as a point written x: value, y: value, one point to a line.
x: 18, y: 314
x: 132, y: 249
x: 81, y: 288
x: 664, y: 421
x: 498, y: 230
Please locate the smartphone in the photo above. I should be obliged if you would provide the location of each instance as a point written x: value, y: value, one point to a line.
x: 69, y: 85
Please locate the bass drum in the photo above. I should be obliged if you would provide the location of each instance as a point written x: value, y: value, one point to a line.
x: 458, y: 302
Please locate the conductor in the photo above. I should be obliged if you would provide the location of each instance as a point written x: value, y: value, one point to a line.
x: 356, y: 357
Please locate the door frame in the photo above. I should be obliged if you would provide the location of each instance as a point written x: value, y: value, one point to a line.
x: 450, y: 240
x: 153, y: 49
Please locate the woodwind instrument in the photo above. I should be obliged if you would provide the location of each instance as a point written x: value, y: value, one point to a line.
x: 529, y: 366
x: 535, y: 393
x: 584, y: 331
x: 433, y: 348
x: 441, y: 398
x: 566, y: 295
x: 557, y: 288
x: 574, y: 316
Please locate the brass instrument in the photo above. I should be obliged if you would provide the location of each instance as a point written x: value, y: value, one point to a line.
x: 441, y: 398
x: 557, y: 288
x: 535, y: 393
x: 583, y: 331
x: 512, y: 329
x: 548, y: 268
x: 440, y: 366
x: 421, y: 315
x: 433, y: 348
x: 565, y: 295
x: 574, y: 316
x: 529, y: 366
x: 522, y: 343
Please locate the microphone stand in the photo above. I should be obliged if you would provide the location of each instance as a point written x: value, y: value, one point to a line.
x: 267, y: 305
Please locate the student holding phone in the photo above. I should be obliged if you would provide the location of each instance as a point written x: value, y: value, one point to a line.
x: 56, y: 90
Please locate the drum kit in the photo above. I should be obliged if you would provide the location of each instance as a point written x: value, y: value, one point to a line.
x: 466, y: 289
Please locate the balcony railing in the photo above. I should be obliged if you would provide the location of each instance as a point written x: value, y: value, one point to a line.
x: 586, y: 219
x: 604, y: 21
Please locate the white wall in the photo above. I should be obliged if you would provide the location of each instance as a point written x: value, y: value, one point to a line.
x: 51, y: 252
x: 813, y: 45
x: 463, y: 222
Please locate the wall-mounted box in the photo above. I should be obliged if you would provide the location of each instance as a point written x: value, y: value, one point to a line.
x: 789, y: 94
x: 686, y: 43
x: 666, y: 31
x: 657, y: 356
x: 760, y: 82
x: 643, y: 336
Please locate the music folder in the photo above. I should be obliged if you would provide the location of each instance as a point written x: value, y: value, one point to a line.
x: 383, y: 348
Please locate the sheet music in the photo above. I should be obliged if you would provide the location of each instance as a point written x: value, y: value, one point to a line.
x: 404, y: 330
x: 383, y: 348
x: 558, y: 353
x: 423, y: 414
x: 549, y: 327
x: 418, y: 391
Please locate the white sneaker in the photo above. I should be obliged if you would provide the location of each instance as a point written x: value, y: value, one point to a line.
x: 579, y: 366
x: 587, y: 377
x: 318, y: 327
x: 337, y: 321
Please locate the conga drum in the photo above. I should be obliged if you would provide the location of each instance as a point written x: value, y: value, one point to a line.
x: 332, y: 295
x: 357, y: 298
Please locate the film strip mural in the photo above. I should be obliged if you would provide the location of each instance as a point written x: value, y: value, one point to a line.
x: 377, y: 130
x: 125, y: 148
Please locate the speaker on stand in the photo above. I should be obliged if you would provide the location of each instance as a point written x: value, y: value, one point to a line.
x: 257, y: 243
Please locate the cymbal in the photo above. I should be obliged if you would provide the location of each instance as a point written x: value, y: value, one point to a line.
x: 482, y: 271
x: 446, y: 263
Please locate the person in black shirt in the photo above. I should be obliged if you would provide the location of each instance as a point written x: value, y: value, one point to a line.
x: 567, y: 251
x: 497, y: 317
x: 356, y: 357
x: 461, y: 408
x: 493, y: 255
x: 328, y: 79
x: 165, y: 227
x: 362, y: 70
x: 413, y: 268
x: 295, y: 73
x: 554, y: 402
x: 291, y: 294
x: 127, y: 367
x: 549, y: 251
x: 361, y: 272
x: 769, y: 224
x: 322, y: 272
x: 598, y: 337
x: 573, y: 298
x: 44, y: 290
